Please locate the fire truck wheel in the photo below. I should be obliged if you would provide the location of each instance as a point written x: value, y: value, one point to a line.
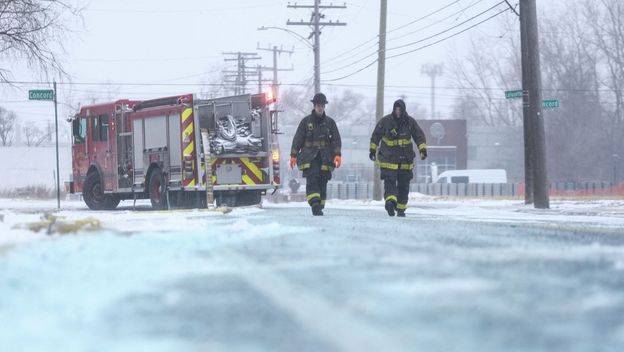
x: 111, y: 202
x: 157, y: 190
x: 93, y: 193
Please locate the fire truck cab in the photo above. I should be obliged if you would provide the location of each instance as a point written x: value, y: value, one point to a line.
x: 174, y: 150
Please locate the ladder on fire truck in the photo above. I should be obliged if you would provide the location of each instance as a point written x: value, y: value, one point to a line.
x: 208, y: 161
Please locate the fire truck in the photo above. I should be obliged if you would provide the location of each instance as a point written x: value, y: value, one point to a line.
x: 178, y: 152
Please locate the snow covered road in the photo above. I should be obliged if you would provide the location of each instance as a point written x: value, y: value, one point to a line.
x: 453, y: 276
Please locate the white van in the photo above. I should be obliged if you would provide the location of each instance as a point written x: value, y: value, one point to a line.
x: 473, y: 176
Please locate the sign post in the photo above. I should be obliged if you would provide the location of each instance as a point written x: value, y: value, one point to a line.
x: 50, y: 94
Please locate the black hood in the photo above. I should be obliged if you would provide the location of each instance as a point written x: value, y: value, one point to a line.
x: 400, y: 103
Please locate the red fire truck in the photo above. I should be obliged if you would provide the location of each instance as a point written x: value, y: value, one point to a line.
x: 176, y: 150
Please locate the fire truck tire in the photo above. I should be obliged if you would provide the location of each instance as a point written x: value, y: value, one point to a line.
x: 157, y: 190
x: 111, y: 202
x: 93, y: 193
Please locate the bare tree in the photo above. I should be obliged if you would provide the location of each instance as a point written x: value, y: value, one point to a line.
x: 213, y: 82
x: 347, y: 107
x: 605, y: 18
x: 30, y: 29
x: 570, y: 73
x: 491, y: 66
x: 7, y: 127
x: 34, y: 136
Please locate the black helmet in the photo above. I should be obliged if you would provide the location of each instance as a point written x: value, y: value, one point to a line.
x: 319, y: 98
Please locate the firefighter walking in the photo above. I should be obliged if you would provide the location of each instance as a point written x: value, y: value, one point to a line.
x: 316, y: 151
x: 391, y: 146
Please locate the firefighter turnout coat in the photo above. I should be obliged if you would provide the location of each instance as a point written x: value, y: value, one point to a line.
x: 392, y: 140
x: 316, y: 135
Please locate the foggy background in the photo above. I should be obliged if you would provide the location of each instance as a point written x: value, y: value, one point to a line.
x: 146, y: 49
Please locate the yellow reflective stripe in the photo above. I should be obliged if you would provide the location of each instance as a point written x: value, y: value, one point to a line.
x: 186, y: 114
x: 187, y: 131
x: 422, y: 146
x: 188, y: 151
x: 393, y: 166
x: 396, y: 142
x: 192, y: 183
x: 401, y: 206
x: 390, y: 166
x: 326, y: 167
x: 247, y: 180
x: 304, y: 166
x: 314, y: 195
x: 251, y: 166
x: 394, y: 198
x: 373, y: 146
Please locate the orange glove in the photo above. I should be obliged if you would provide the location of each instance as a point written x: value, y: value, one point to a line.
x: 293, y: 161
x: 338, y: 161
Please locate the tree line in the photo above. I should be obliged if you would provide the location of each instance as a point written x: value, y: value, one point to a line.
x: 582, y: 62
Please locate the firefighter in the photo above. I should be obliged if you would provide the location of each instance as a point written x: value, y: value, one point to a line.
x: 391, y: 146
x: 316, y: 151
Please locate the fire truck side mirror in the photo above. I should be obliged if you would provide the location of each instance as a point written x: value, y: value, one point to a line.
x: 76, y: 127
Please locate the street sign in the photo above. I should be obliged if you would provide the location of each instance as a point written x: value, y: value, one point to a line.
x: 50, y: 94
x: 550, y: 104
x: 514, y: 94
x: 41, y: 94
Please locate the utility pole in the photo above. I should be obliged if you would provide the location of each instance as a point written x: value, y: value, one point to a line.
x: 316, y: 24
x: 536, y: 179
x: 381, y: 77
x: 276, y: 52
x: 432, y: 71
x: 240, y: 77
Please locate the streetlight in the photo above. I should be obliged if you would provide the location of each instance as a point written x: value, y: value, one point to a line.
x: 297, y: 35
x: 314, y: 48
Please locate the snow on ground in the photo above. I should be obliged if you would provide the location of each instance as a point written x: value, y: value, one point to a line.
x: 496, y: 274
x: 605, y: 215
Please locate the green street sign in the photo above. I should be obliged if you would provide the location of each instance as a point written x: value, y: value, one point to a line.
x: 550, y: 104
x: 41, y: 94
x: 514, y: 94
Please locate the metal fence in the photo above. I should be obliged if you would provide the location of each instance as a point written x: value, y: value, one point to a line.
x: 364, y: 190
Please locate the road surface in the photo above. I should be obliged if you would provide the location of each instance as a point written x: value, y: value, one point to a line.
x: 278, y: 279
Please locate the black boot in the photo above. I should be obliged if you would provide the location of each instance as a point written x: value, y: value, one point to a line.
x: 390, y: 206
x: 401, y: 213
x: 317, y: 209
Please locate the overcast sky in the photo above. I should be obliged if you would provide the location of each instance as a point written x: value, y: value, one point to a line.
x: 165, y: 43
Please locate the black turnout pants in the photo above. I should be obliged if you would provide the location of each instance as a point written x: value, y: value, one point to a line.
x: 396, y: 186
x: 316, y: 182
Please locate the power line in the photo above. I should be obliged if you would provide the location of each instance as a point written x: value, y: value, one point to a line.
x: 395, y: 29
x: 457, y: 13
x: 423, y: 17
x: 302, y: 83
x: 420, y: 40
x: 450, y: 28
x: 420, y: 48
x: 451, y: 36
